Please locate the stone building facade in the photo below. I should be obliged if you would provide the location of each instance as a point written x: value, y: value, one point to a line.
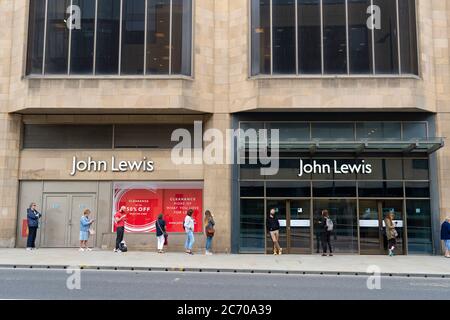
x: 219, y: 88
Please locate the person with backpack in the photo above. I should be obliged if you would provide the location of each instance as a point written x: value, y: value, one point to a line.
x: 445, y: 236
x: 161, y: 233
x: 119, y: 219
x: 327, y: 227
x: 391, y: 233
x: 33, y: 217
x: 189, y: 229
x: 209, y: 231
x: 273, y: 227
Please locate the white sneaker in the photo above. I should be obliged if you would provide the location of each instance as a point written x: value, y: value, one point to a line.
x: 29, y: 249
x: 88, y: 249
x: 81, y: 249
x: 209, y: 253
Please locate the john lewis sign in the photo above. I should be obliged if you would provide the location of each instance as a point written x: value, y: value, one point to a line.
x: 114, y: 165
x: 360, y: 167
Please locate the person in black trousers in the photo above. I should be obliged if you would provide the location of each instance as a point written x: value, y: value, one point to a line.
x: 273, y: 227
x: 326, y: 233
x: 33, y: 217
x: 119, y: 218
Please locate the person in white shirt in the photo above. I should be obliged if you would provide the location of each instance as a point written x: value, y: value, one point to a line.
x: 189, y: 228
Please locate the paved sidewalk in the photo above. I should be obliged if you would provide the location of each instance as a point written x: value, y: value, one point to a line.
x: 138, y: 260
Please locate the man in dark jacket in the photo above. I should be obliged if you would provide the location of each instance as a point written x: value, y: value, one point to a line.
x: 273, y: 227
x: 445, y: 236
x: 33, y: 224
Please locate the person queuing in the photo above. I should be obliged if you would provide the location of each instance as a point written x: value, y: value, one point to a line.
x: 327, y: 228
x: 189, y: 229
x: 33, y: 217
x: 161, y: 232
x: 119, y: 219
x: 273, y: 227
x: 445, y: 236
x: 209, y: 231
x: 85, y: 226
x: 391, y: 233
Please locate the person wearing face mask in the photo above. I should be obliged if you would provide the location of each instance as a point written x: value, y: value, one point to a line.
x: 33, y: 217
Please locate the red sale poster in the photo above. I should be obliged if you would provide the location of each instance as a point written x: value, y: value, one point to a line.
x: 144, y: 203
x: 177, y: 203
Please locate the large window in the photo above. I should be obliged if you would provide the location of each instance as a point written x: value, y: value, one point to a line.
x: 110, y: 37
x: 334, y: 37
x: 119, y: 136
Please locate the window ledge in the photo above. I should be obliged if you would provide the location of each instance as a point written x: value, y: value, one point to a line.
x: 334, y: 76
x: 107, y: 77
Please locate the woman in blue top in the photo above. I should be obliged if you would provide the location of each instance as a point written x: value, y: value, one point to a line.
x: 445, y: 236
x: 85, y: 224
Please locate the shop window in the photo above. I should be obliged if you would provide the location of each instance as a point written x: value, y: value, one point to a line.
x: 291, y: 132
x: 133, y: 32
x: 261, y: 56
x: 181, y: 36
x: 309, y: 37
x: 288, y: 189
x: 378, y: 130
x: 386, y: 41
x: 417, y: 189
x: 333, y: 131
x: 57, y: 45
x: 82, y: 46
x: 414, y: 130
x: 252, y: 226
x: 289, y: 170
x: 108, y: 26
x: 70, y: 51
x: 408, y: 39
x: 158, y: 31
x: 331, y: 189
x: 384, y: 169
x: 372, y: 189
x: 419, y: 226
x: 157, y: 136
x: 334, y: 37
x: 360, y: 37
x: 249, y: 171
x: 345, y: 48
x: 252, y: 188
x: 283, y: 15
x: 67, y: 136
x: 36, y: 27
x: 416, y: 169
x: 344, y: 238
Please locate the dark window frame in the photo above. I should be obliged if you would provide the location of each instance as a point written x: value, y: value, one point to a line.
x: 186, y: 47
x: 412, y: 63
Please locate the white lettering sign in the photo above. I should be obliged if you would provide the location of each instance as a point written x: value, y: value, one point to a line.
x: 91, y: 165
x: 344, y: 168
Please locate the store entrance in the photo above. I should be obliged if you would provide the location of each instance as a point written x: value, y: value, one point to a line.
x: 372, y: 213
x: 61, y: 219
x: 295, y: 225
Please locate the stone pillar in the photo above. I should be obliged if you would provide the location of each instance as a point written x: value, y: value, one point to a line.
x: 9, y: 132
x: 9, y: 185
x: 217, y: 188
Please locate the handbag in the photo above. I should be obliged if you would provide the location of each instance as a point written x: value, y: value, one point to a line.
x: 395, y: 233
x: 210, y: 232
x: 91, y: 231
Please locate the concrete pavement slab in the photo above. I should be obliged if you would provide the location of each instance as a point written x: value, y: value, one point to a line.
x: 345, y: 264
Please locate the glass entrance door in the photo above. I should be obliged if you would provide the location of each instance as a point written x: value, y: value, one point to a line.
x: 295, y: 225
x: 372, y: 227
